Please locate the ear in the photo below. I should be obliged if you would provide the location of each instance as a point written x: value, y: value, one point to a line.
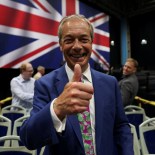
x: 60, y: 44
x: 61, y: 48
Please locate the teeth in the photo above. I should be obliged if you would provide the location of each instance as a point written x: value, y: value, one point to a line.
x: 78, y: 56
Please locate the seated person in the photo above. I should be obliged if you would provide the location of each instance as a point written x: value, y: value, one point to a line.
x: 129, y: 84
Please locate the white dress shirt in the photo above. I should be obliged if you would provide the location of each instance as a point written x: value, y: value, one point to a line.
x: 60, y: 125
x: 22, y: 92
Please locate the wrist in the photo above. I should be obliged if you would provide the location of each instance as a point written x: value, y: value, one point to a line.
x: 58, y: 112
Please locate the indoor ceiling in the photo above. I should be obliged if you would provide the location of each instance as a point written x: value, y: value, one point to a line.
x: 127, y: 8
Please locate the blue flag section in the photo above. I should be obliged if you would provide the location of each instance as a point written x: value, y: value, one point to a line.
x: 28, y: 32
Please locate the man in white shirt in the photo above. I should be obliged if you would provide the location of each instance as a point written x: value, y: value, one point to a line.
x: 60, y: 97
x: 22, y: 87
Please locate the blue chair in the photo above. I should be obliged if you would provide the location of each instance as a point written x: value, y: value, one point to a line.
x: 5, y: 129
x: 5, y: 126
x: 136, y: 115
x: 13, y: 112
x: 136, y: 144
x: 147, y: 136
x: 16, y: 128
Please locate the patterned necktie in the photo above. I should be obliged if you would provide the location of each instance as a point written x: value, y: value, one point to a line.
x: 86, y: 130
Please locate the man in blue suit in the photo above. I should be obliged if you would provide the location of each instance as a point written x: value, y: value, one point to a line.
x: 60, y: 96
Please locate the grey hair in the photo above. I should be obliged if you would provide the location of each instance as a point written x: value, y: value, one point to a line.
x: 75, y: 16
x: 39, y: 68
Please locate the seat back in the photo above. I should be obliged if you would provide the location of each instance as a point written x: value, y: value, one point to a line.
x: 14, y: 150
x: 5, y: 129
x: 136, y: 115
x: 147, y: 136
x: 18, y: 123
x: 41, y: 152
x: 13, y: 108
x: 13, y: 112
x: 136, y: 144
x: 16, y: 128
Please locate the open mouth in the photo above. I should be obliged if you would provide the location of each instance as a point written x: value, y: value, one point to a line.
x: 77, y: 56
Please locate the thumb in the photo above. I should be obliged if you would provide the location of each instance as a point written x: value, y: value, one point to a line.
x: 77, y: 73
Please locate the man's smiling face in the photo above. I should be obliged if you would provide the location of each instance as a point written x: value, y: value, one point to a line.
x: 76, y: 43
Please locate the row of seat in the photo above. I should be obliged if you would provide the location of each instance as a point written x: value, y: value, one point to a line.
x: 11, y: 119
x: 13, y: 113
x: 6, y: 125
x: 144, y: 130
x: 10, y: 143
x: 140, y: 124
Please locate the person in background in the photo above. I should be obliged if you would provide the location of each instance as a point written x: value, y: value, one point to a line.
x: 40, y: 72
x: 60, y: 98
x: 22, y: 87
x: 129, y: 84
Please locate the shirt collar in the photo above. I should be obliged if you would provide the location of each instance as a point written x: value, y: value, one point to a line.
x: 86, y: 73
x: 21, y: 78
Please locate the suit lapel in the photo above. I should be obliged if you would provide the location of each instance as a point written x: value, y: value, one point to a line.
x: 99, y: 102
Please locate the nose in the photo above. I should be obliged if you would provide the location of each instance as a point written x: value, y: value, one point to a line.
x: 77, y: 45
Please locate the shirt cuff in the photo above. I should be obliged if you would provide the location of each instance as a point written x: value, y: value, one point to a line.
x: 58, y: 125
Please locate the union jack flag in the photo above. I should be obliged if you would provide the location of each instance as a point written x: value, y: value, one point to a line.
x: 28, y: 32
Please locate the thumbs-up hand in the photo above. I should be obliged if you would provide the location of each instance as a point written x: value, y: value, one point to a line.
x: 75, y: 96
x: 77, y: 73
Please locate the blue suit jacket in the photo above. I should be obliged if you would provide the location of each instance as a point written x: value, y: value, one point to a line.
x: 111, y: 125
